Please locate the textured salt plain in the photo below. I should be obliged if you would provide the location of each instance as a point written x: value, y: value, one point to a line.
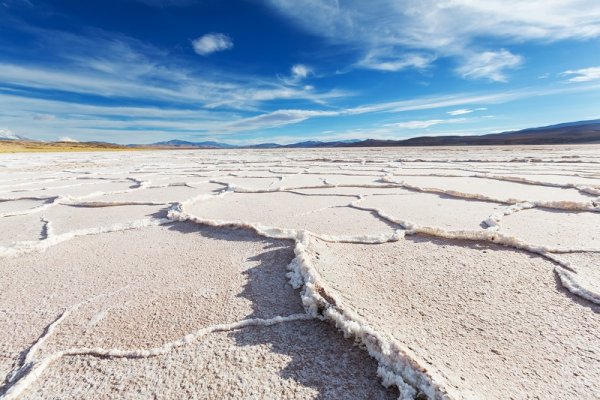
x: 441, y: 273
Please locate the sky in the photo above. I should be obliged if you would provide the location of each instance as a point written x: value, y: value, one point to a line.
x: 253, y: 71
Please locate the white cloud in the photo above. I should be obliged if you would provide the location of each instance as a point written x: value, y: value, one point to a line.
x: 463, y: 111
x: 300, y: 71
x: 417, y: 124
x: 381, y: 61
x: 212, y: 43
x: 278, y: 118
x: 454, y: 28
x: 43, y: 117
x: 583, y: 74
x: 489, y: 65
x: 67, y: 139
x: 424, y: 123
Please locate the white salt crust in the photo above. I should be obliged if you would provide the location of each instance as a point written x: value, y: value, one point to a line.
x: 396, y: 365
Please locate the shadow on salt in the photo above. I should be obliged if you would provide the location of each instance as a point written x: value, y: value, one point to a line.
x: 160, y: 293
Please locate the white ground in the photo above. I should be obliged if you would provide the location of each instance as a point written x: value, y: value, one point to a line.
x: 460, y: 273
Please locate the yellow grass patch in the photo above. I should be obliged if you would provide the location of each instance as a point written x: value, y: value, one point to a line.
x: 19, y: 146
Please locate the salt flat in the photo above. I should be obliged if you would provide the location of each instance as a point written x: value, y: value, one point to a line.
x: 441, y: 273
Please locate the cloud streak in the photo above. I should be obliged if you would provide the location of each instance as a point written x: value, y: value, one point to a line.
x: 424, y: 123
x: 145, y: 124
x: 583, y: 74
x: 380, y: 60
x: 463, y: 111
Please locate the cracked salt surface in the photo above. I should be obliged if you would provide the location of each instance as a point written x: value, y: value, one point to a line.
x: 460, y: 273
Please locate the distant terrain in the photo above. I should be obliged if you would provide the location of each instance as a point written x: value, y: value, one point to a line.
x: 580, y: 132
x: 25, y: 145
x: 567, y: 133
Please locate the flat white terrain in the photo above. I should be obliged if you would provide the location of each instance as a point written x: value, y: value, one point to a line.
x: 412, y: 273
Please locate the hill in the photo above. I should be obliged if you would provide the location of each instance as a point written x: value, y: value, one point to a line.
x: 566, y: 133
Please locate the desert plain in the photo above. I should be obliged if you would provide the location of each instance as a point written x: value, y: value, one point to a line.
x: 375, y: 273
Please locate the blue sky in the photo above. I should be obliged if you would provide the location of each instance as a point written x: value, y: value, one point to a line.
x: 142, y: 71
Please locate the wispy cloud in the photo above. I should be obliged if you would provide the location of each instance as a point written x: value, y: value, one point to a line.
x: 147, y: 123
x: 44, y: 117
x: 453, y: 29
x: 383, y: 61
x: 583, y: 74
x: 115, y: 66
x: 424, y: 123
x: 462, y: 111
x: 276, y: 119
x: 212, y: 43
x: 285, y: 117
x: 416, y: 124
x: 166, y: 98
x: 144, y: 124
x: 490, y: 65
x: 297, y: 76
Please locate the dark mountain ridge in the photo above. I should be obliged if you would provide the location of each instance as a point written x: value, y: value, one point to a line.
x: 578, y: 132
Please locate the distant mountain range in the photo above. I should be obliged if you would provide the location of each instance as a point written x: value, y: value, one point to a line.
x: 566, y: 133
x: 218, y: 145
x: 578, y: 132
